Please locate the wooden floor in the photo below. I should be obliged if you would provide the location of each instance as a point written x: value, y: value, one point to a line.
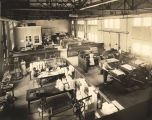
x: 126, y: 99
x: 19, y: 110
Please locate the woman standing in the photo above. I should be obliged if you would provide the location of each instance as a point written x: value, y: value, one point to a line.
x: 23, y: 67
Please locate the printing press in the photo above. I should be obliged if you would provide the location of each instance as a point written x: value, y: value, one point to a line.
x: 128, y: 76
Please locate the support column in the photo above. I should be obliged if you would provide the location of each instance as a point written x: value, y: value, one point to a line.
x: 0, y: 8
x: 118, y: 40
x: 85, y: 30
x: 1, y: 50
x: 70, y: 27
x: 75, y: 28
x: 5, y: 45
x: 4, y: 40
x: 8, y: 39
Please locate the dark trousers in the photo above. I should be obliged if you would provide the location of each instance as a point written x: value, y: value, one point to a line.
x: 105, y: 74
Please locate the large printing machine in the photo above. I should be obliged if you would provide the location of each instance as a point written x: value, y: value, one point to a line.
x: 69, y: 85
x: 134, y: 77
x: 130, y: 85
x: 129, y: 73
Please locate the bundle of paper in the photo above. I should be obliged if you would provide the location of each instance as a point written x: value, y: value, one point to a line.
x: 59, y: 85
x: 128, y: 67
x: 108, y: 108
x: 117, y: 72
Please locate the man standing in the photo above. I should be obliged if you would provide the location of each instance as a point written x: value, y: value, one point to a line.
x: 105, y: 68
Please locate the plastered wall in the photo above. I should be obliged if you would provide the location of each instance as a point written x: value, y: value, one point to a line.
x: 54, y: 26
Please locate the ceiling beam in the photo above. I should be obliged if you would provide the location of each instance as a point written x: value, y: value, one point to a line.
x: 101, y: 3
x: 36, y: 9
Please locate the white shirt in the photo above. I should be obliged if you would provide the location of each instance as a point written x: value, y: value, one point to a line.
x: 106, y: 66
x: 119, y: 51
x: 71, y: 68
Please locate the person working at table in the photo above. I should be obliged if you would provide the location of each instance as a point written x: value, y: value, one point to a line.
x: 105, y: 68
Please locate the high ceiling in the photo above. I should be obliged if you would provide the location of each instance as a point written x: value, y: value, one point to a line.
x: 47, y: 9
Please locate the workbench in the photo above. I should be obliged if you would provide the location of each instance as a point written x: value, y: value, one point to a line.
x: 47, y: 91
x: 30, y: 56
x: 47, y: 77
x: 73, y: 50
x: 66, y: 43
x: 59, y: 103
x: 6, y: 84
x: 7, y: 88
x: 3, y: 102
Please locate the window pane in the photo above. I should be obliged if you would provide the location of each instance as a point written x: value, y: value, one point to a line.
x: 95, y: 22
x: 72, y: 32
x: 117, y: 23
x: 89, y: 36
x: 110, y: 23
x: 81, y: 22
x: 72, y: 22
x: 147, y: 21
x: 92, y: 22
x: 106, y: 25
x: 80, y: 34
x: 137, y: 21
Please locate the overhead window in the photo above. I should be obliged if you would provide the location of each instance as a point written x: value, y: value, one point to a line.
x: 72, y: 32
x: 80, y: 22
x: 147, y: 21
x: 72, y: 22
x: 92, y: 37
x: 116, y: 23
x: 112, y: 23
x: 81, y: 29
x: 92, y: 22
x: 142, y: 22
x: 81, y: 34
x: 142, y: 49
x: 106, y: 23
x: 137, y: 21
